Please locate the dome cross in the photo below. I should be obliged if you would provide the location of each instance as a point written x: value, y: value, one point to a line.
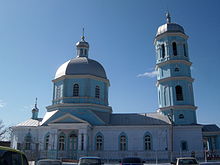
x: 168, y: 17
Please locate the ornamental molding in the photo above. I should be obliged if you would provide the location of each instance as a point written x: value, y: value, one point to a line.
x: 81, y: 76
x: 178, y: 107
x: 173, y: 62
x: 173, y: 79
x: 120, y: 127
x: 78, y: 105
x: 66, y: 116
x: 210, y: 133
x: 70, y: 126
x: 191, y: 126
x: 79, y: 97
x: 166, y: 34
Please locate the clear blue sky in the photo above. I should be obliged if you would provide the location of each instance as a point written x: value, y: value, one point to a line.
x: 37, y: 36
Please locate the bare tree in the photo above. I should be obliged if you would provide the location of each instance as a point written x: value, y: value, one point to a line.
x: 3, y: 131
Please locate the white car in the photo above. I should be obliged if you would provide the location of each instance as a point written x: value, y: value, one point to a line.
x: 49, y: 162
x: 186, y: 161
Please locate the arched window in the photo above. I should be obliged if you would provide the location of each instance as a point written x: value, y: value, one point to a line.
x: 58, y: 92
x: 184, y: 146
x: 174, y: 48
x: 97, y: 92
x: 46, y: 146
x: 159, y: 97
x: 163, y: 50
x: 179, y: 93
x: 28, y: 140
x: 81, y: 51
x: 85, y: 52
x: 165, y: 96
x: 147, y: 142
x: 76, y: 90
x: 73, y: 142
x: 99, y: 142
x: 181, y: 116
x: 123, y: 143
x: 184, y: 50
x: 61, y: 145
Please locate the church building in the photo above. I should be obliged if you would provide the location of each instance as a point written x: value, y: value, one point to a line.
x: 80, y: 122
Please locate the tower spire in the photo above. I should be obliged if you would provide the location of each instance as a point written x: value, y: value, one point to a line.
x: 35, y: 110
x: 35, y: 103
x: 82, y: 46
x: 83, y: 35
x: 168, y: 18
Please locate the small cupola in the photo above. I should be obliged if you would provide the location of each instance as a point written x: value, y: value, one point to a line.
x: 35, y: 111
x: 169, y: 27
x: 82, y: 47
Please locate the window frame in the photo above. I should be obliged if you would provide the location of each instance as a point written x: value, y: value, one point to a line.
x: 184, y: 50
x: 123, y: 142
x: 179, y: 93
x: 61, y: 142
x: 147, y: 142
x: 174, y: 48
x: 97, y: 92
x: 99, y: 142
x: 181, y: 116
x: 46, y: 142
x: 28, y: 140
x: 75, y: 90
x: 177, y: 69
x: 184, y: 145
x: 163, y: 50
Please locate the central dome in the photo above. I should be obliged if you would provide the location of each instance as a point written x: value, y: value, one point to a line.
x: 81, y: 66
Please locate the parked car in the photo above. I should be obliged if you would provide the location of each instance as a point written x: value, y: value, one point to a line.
x: 9, y: 156
x: 90, y: 161
x: 132, y: 161
x: 49, y: 162
x: 209, y: 163
x: 185, y: 161
x: 68, y: 163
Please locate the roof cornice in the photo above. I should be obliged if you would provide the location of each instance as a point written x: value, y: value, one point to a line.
x: 177, y: 107
x: 166, y: 34
x: 173, y: 62
x: 190, y: 79
x: 81, y: 76
x: 78, y: 105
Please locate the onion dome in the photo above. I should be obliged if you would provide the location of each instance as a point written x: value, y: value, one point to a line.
x: 35, y: 111
x: 82, y: 43
x: 169, y: 27
x: 81, y: 65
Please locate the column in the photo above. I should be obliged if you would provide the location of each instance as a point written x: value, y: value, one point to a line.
x: 79, y: 141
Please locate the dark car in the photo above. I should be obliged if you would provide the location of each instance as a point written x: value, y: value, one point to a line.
x: 90, y: 161
x: 209, y: 163
x: 9, y: 156
x: 132, y: 161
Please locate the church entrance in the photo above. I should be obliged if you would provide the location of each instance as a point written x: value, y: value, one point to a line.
x: 73, y: 140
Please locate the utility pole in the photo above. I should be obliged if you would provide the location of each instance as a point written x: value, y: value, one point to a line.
x: 170, y: 116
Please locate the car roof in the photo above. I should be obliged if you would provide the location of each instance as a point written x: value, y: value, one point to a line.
x: 132, y: 157
x: 5, y: 149
x: 186, y: 158
x: 90, y: 157
x: 49, y: 160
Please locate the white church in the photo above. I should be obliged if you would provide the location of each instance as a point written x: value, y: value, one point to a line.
x: 80, y: 121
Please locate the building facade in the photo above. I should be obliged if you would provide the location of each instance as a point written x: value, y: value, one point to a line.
x: 80, y: 121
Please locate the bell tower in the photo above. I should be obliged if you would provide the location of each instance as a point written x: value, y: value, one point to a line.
x: 174, y: 81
